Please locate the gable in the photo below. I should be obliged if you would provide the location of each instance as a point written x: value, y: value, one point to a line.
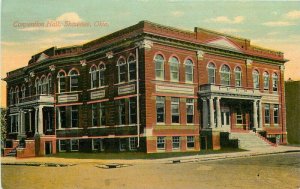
x: 43, y: 56
x: 224, y: 43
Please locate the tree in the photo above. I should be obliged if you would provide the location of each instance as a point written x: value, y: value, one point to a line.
x: 3, y: 125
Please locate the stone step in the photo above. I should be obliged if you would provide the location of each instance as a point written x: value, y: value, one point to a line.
x: 249, y: 140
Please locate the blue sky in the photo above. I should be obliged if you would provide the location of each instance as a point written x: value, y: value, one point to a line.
x: 270, y: 24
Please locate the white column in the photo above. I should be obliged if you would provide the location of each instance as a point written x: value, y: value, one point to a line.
x: 23, y: 123
x: 40, y: 120
x: 36, y: 119
x: 59, y: 118
x: 19, y: 122
x: 204, y: 113
x: 255, y: 114
x: 30, y: 129
x: 260, y: 114
x: 211, y: 112
x: 218, y: 108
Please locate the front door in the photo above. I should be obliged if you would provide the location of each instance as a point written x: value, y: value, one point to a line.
x: 225, y: 118
x: 48, y: 147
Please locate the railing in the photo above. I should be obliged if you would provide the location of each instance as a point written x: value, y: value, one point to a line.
x: 39, y: 98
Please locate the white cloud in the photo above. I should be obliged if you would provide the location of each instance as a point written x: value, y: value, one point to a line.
x: 51, y: 25
x: 177, y: 13
x: 293, y: 14
x: 278, y: 23
x: 225, y: 19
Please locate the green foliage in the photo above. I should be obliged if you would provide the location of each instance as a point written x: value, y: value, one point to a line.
x: 3, y: 123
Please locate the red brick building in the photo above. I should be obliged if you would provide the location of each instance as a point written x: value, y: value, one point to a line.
x: 147, y: 87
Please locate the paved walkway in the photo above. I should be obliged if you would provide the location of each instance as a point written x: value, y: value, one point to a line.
x: 208, y: 157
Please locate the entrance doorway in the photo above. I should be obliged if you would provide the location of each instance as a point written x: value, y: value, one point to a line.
x: 48, y: 147
x: 225, y: 118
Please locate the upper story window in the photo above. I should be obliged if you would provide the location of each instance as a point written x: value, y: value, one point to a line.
x: 74, y: 116
x: 267, y: 113
x: 225, y: 75
x: 132, y: 68
x: 189, y: 110
x: 159, y: 67
x: 276, y: 113
x: 102, y: 69
x: 174, y: 69
x: 49, y: 79
x: 266, y: 81
x: 255, y: 76
x: 160, y: 109
x: 44, y: 85
x: 23, y: 91
x: 275, y: 82
x: 37, y: 86
x: 122, y: 69
x: 132, y: 110
x: 122, y: 114
x: 61, y: 79
x: 11, y: 96
x: 93, y: 74
x: 238, y: 76
x: 73, y: 80
x: 211, y: 73
x: 17, y: 94
x: 189, y: 71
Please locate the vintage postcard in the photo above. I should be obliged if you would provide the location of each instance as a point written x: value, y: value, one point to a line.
x: 150, y: 94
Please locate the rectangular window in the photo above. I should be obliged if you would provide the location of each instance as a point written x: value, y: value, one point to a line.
x: 74, y: 144
x: 161, y: 143
x: 94, y: 79
x: 74, y: 83
x: 190, y: 142
x: 132, y: 143
x: 122, y: 144
x: 266, y: 83
x: 62, y: 117
x: 175, y: 110
x: 101, y: 78
x: 211, y: 76
x: 14, y: 123
x: 97, y: 144
x: 238, y: 79
x: 190, y: 110
x: 160, y: 109
x: 132, y: 110
x: 267, y: 113
x: 74, y: 116
x: 122, y: 73
x: 275, y: 83
x: 276, y: 114
x: 62, y: 84
x: 132, y: 71
x: 159, y: 70
x: 102, y: 114
x: 174, y: 72
x: 94, y: 115
x: 175, y: 142
x: 122, y: 112
x: 239, y: 117
x: 62, y: 145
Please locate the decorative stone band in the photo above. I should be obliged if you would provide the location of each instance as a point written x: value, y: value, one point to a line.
x: 126, y: 89
x: 97, y: 94
x: 67, y: 98
x: 175, y: 89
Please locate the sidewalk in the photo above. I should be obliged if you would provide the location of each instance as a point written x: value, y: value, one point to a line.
x: 195, y: 158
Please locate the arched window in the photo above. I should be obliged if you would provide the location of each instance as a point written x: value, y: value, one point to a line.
x: 189, y: 71
x: 73, y: 80
x: 93, y: 74
x: 11, y: 96
x: 132, y: 68
x: 225, y: 75
x: 122, y: 69
x: 238, y: 76
x: 49, y: 79
x: 159, y: 67
x: 266, y: 81
x: 23, y: 91
x: 17, y: 94
x: 61, y: 79
x: 44, y: 85
x: 275, y: 82
x: 102, y: 69
x: 211, y: 73
x: 255, y: 76
x: 174, y: 69
x: 36, y: 85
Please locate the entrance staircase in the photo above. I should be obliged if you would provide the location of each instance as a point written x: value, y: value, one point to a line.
x: 12, y: 153
x: 251, y: 140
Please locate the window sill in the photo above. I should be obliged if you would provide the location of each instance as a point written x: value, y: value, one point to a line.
x: 74, y: 128
x: 69, y: 92
x: 98, y: 127
x: 101, y: 87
